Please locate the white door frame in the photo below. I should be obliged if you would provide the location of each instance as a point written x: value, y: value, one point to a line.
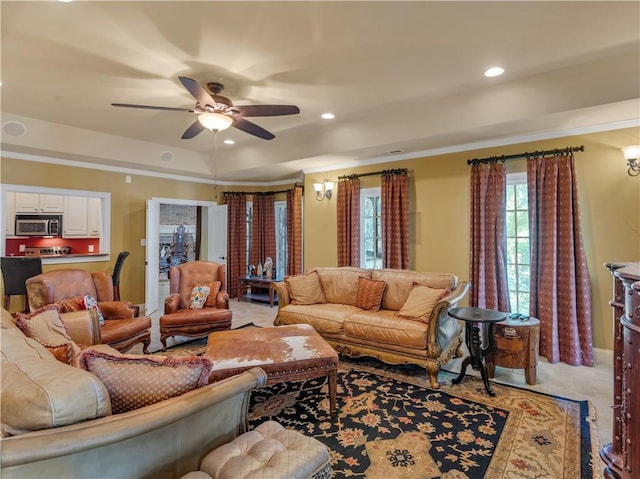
x: 152, y: 255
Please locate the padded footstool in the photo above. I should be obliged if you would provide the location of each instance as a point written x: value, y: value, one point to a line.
x: 267, y: 452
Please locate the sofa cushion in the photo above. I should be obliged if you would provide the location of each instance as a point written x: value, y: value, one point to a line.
x: 45, y: 326
x: 325, y: 318
x: 421, y: 301
x: 385, y: 327
x: 135, y: 381
x: 340, y: 285
x: 305, y: 289
x: 39, y: 392
x: 369, y: 293
x: 400, y: 283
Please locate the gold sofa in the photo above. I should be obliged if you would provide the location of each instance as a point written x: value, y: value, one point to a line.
x: 381, y: 334
x: 164, y: 440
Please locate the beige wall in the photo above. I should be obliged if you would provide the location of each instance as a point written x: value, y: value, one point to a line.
x: 439, y: 210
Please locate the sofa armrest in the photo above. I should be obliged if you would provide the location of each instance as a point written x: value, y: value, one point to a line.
x: 117, y: 310
x: 442, y: 327
x: 171, y: 303
x: 222, y: 300
x: 83, y: 327
x: 282, y: 290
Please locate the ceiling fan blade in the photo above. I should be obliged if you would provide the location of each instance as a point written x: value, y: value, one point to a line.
x: 195, y: 129
x: 266, y: 110
x: 251, y: 128
x: 197, y: 91
x: 150, y: 107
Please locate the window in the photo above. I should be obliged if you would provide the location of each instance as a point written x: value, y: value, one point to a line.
x: 281, y: 239
x: 249, y: 232
x: 281, y: 236
x: 370, y: 228
x: 518, y: 257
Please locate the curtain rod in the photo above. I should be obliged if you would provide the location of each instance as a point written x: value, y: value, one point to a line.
x: 398, y: 171
x: 503, y: 158
x: 261, y: 192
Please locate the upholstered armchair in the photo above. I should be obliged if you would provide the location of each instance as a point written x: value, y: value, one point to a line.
x: 181, y: 320
x: 121, y: 329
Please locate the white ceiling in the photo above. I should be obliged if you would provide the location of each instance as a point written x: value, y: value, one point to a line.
x: 398, y: 75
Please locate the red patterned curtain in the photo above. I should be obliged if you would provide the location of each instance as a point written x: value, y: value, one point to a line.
x: 488, y: 259
x: 348, y: 207
x: 560, y: 285
x: 395, y: 219
x: 236, y: 241
x: 294, y: 231
x: 263, y: 228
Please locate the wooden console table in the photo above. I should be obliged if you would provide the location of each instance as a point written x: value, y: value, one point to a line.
x: 257, y: 288
x: 621, y: 454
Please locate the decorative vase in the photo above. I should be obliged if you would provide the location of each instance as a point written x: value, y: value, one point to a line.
x: 259, y: 270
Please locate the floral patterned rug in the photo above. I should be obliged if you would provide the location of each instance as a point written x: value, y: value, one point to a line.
x: 391, y: 425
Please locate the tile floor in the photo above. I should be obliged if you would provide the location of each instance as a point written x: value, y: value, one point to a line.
x: 579, y: 383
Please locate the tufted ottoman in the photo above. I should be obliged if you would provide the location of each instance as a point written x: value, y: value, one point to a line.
x: 267, y: 452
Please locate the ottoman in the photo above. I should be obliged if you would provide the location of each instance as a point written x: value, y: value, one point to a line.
x: 286, y: 353
x: 269, y: 452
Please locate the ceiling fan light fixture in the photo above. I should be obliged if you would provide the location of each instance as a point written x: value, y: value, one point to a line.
x: 215, y: 121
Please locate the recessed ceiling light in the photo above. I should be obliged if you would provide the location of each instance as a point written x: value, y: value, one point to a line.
x: 65, y: 1
x: 494, y: 72
x: 328, y: 116
x: 229, y: 141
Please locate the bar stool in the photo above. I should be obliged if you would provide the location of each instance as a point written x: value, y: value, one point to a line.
x: 117, y: 269
x: 15, y: 271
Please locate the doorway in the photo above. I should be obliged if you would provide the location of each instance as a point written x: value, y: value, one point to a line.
x: 180, y: 231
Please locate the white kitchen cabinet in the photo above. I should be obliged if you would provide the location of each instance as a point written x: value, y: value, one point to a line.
x: 94, y: 217
x: 74, y: 223
x: 10, y: 227
x: 38, y: 204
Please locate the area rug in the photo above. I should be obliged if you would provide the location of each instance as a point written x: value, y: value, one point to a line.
x: 391, y: 425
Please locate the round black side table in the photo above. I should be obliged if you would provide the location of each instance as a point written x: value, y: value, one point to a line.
x: 474, y: 320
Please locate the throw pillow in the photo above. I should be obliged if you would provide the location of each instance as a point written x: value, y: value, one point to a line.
x: 91, y: 304
x: 214, y: 289
x: 421, y: 301
x: 199, y: 296
x: 45, y: 326
x: 305, y: 289
x: 135, y: 381
x: 369, y: 294
x: 72, y: 304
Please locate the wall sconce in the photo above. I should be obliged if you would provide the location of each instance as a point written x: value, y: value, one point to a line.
x: 323, y: 190
x: 632, y: 155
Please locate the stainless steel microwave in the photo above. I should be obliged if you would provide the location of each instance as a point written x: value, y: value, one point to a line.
x: 38, y: 225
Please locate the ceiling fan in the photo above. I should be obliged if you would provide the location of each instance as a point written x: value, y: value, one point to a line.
x: 216, y: 112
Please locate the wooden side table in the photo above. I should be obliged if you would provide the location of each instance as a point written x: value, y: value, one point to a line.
x: 257, y: 288
x: 516, y: 347
x: 476, y: 322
